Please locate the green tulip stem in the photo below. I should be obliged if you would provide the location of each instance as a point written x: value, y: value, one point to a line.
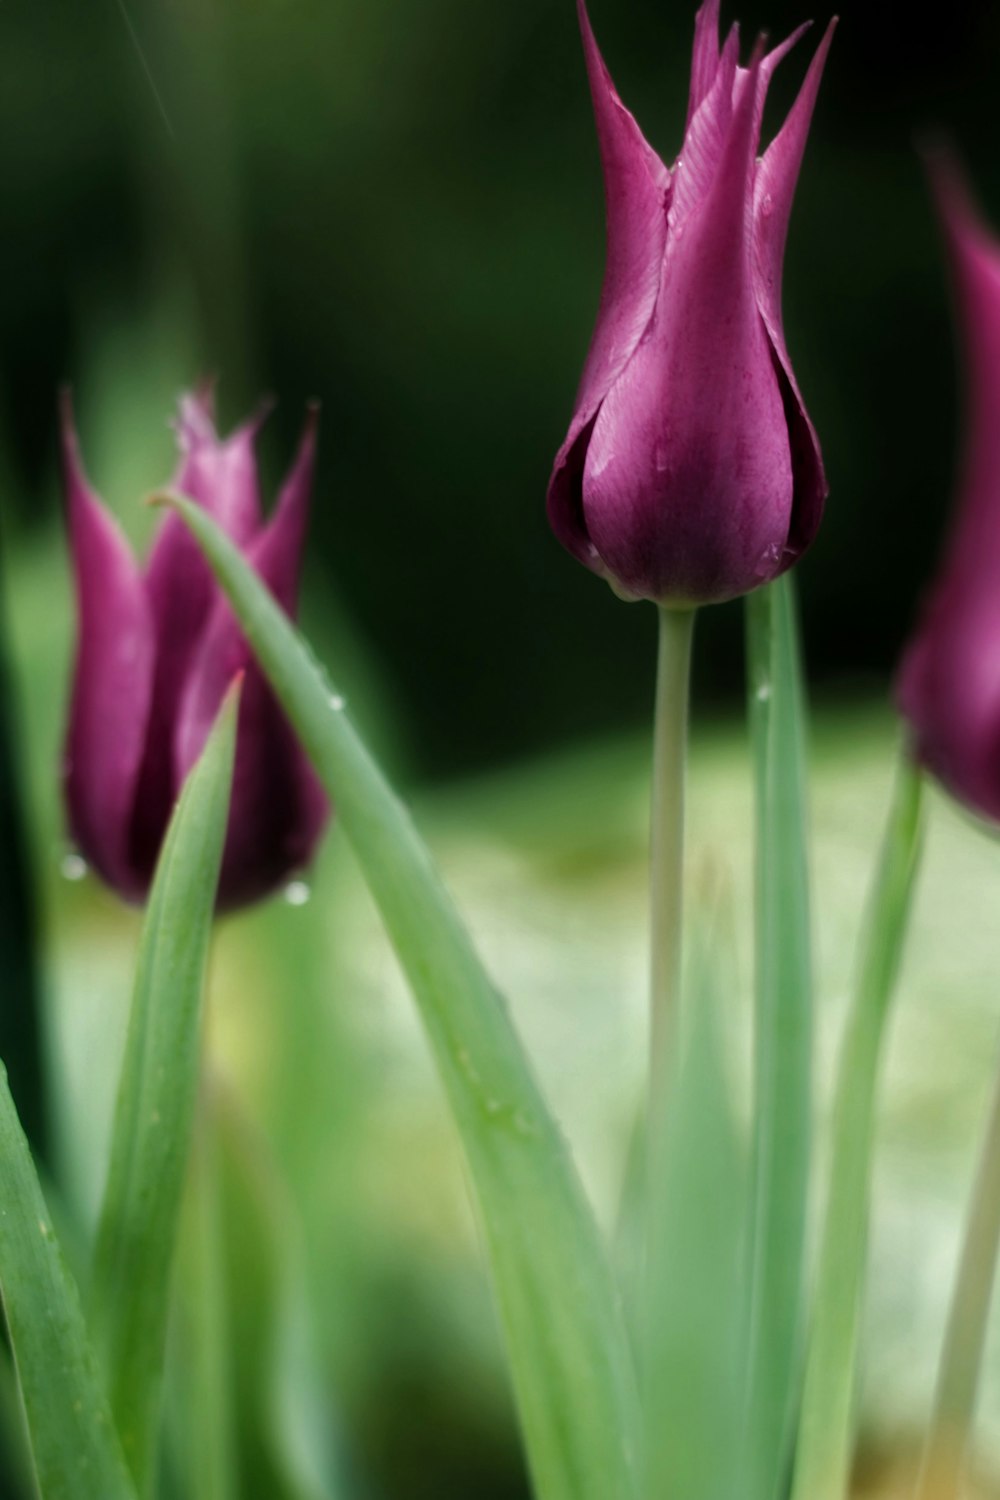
x: 825, y: 1439
x: 673, y: 675
x: 965, y: 1335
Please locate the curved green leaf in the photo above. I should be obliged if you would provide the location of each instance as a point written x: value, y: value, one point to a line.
x: 74, y: 1445
x: 566, y: 1338
x: 156, y: 1094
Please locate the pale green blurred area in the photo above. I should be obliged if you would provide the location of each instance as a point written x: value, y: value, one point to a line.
x: 313, y: 1034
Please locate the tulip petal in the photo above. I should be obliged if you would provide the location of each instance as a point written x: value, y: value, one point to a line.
x: 974, y: 254
x: 687, y: 483
x: 221, y: 475
x: 637, y: 188
x: 705, y: 58
x: 774, y: 189
x: 278, y: 806
x: 948, y: 686
x: 705, y: 139
x: 113, y: 679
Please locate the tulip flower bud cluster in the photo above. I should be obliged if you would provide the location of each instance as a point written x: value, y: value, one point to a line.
x: 691, y: 473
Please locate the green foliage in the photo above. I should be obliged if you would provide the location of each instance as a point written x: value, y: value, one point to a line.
x: 693, y: 1326
x: 156, y: 1094
x: 782, y: 1039
x: 825, y: 1444
x: 74, y: 1445
x: 568, y: 1350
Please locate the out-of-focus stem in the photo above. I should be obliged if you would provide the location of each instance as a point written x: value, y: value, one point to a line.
x: 965, y: 1336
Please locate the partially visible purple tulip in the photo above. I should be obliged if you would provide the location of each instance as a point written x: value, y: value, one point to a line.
x: 156, y: 649
x: 691, y: 472
x: 948, y: 686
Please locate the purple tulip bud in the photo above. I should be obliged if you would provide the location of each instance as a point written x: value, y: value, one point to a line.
x: 691, y: 472
x: 948, y: 687
x: 156, y: 650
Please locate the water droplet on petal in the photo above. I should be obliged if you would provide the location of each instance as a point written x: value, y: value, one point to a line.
x: 767, y: 564
x: 73, y: 866
x: 766, y: 206
x: 297, y: 892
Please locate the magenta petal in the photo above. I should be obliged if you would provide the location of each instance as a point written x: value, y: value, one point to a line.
x: 687, y: 484
x: 975, y: 266
x: 774, y: 189
x: 112, y: 683
x: 705, y: 138
x: 705, y: 58
x: 637, y: 186
x: 221, y: 475
x: 948, y: 687
x: 278, y: 807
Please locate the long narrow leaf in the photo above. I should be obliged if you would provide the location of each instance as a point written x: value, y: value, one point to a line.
x: 287, y: 1421
x: 697, y: 1254
x: 783, y: 1038
x: 156, y: 1095
x: 566, y: 1337
x: 74, y: 1446
x: 208, y: 1397
x: 824, y: 1445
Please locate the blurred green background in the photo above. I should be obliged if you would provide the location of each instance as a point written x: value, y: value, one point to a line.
x: 396, y: 207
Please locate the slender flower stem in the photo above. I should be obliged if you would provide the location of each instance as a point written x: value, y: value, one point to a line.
x: 667, y: 832
x: 965, y: 1336
x: 825, y: 1426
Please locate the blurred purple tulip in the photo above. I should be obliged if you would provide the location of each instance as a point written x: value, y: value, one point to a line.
x: 948, y: 686
x: 691, y: 472
x: 156, y: 649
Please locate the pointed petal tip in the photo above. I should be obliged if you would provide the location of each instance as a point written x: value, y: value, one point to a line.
x: 260, y: 414
x: 77, y: 489
x: 759, y: 52
x: 194, y: 423
x: 949, y: 181
x: 597, y: 70
x: 68, y: 436
x: 827, y: 37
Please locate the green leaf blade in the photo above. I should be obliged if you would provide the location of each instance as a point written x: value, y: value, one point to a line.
x: 569, y: 1354
x: 75, y: 1448
x: 692, y: 1326
x: 823, y: 1454
x: 783, y: 1038
x: 156, y: 1096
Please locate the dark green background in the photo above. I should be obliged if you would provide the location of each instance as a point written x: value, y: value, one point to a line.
x: 396, y: 206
